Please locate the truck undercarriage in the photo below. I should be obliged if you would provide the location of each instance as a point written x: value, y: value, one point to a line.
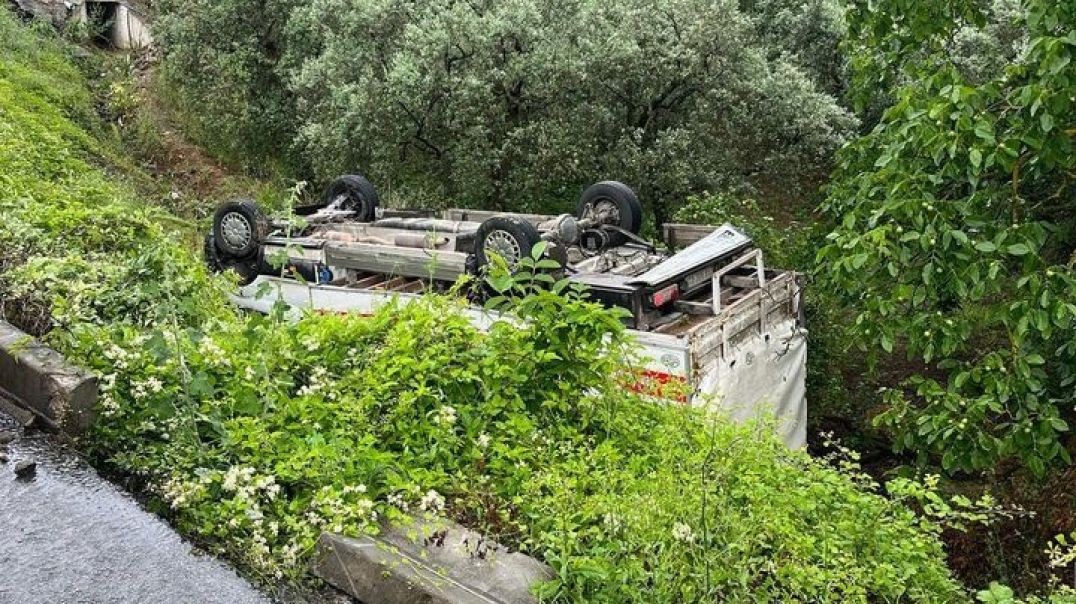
x: 710, y: 318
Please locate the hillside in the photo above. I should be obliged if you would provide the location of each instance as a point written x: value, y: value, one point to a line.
x: 253, y: 434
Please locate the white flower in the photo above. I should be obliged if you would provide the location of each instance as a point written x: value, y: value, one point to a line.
x: 109, y: 404
x: 290, y: 553
x: 397, y: 500
x: 108, y: 382
x: 432, y: 501
x: 311, y: 343
x: 154, y: 384
x: 213, y: 354
x: 236, y: 476
x: 318, y: 381
x: 446, y: 416
x: 177, y: 492
x: 255, y: 514
x: 483, y: 440
x: 683, y: 532
x: 364, y: 507
x: 612, y: 522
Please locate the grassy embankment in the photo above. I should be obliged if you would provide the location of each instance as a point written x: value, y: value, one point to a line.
x: 252, y: 435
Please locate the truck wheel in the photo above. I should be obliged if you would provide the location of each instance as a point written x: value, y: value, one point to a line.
x: 248, y: 269
x: 614, y: 203
x: 239, y: 227
x: 509, y: 237
x: 353, y: 192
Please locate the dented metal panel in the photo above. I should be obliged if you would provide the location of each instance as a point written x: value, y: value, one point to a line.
x: 722, y: 242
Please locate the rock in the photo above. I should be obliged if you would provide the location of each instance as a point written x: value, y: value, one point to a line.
x: 22, y: 415
x: 428, y: 563
x: 3, y: 457
x: 25, y: 469
x: 6, y: 437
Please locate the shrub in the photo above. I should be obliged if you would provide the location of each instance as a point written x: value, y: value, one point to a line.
x: 261, y: 434
x: 76, y: 247
x: 219, y: 69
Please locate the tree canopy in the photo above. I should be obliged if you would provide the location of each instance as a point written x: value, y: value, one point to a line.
x: 957, y: 227
x: 522, y: 104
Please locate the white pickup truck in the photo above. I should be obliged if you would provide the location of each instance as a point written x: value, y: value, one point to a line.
x: 710, y: 319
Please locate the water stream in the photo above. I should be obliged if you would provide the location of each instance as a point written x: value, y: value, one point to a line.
x: 68, y: 535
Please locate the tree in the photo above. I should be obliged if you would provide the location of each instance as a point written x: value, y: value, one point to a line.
x: 956, y: 234
x: 809, y: 34
x: 220, y: 65
x: 512, y: 105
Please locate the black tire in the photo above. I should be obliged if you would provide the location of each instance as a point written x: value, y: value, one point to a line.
x: 247, y: 269
x: 509, y: 236
x: 361, y: 196
x: 627, y: 214
x: 239, y: 226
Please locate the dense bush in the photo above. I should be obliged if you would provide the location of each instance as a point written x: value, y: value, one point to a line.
x: 809, y: 34
x: 221, y: 75
x: 254, y: 434
x: 263, y: 434
x: 956, y: 235
x: 517, y: 105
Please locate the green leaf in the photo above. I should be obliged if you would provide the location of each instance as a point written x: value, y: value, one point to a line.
x: 1018, y: 249
x: 1047, y: 122
x: 985, y: 131
x: 887, y: 343
x: 986, y: 246
x: 539, y: 249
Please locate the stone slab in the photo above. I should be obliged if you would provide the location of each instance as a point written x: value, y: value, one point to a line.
x: 41, y: 379
x: 427, y: 563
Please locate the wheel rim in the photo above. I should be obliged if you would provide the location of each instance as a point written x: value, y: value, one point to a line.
x: 340, y: 202
x: 604, y: 210
x: 235, y: 229
x: 504, y: 245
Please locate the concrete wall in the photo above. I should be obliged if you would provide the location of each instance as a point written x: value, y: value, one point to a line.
x: 129, y: 28
x: 41, y: 379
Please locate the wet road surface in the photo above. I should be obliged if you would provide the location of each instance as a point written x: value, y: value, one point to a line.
x: 70, y: 536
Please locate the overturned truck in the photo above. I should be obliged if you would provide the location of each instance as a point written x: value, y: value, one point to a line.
x: 711, y: 319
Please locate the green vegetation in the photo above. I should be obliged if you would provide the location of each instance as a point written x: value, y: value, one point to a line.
x: 521, y: 104
x: 255, y: 433
x: 67, y: 244
x: 956, y: 238
x: 942, y: 310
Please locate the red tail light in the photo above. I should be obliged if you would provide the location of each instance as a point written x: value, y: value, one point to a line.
x: 664, y: 296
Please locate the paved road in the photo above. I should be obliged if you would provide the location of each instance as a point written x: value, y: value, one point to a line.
x: 69, y: 536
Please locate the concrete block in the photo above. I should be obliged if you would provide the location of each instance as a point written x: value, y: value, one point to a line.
x: 41, y: 379
x: 427, y: 563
